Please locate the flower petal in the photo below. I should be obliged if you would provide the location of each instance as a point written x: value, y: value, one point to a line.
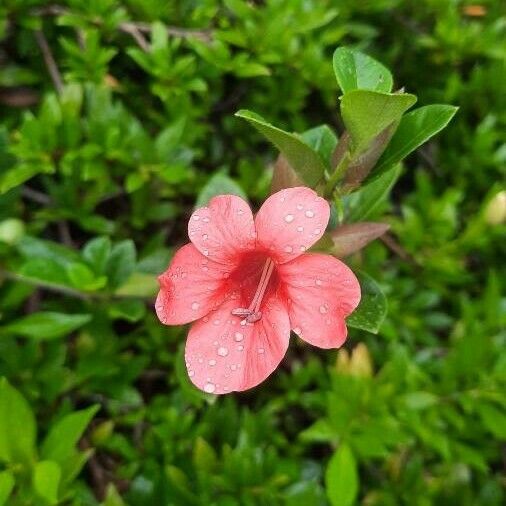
x: 223, y: 229
x: 224, y: 356
x: 322, y: 291
x: 191, y: 287
x: 290, y: 222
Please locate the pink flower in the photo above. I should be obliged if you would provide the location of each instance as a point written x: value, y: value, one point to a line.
x: 246, y: 282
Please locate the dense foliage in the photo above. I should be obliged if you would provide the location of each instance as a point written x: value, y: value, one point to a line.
x: 117, y: 119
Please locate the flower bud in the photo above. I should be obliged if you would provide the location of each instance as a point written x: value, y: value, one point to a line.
x: 495, y: 212
x: 361, y: 363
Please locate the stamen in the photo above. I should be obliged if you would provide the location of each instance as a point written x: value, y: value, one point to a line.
x: 253, y: 313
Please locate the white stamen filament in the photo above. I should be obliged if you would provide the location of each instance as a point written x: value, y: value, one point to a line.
x: 253, y: 312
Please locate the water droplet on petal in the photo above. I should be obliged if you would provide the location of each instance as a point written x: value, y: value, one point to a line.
x: 303, y: 248
x: 195, y: 306
x: 240, y: 347
x: 206, y: 219
x: 261, y: 350
x: 196, y: 217
x: 323, y: 309
x: 319, y: 282
x: 300, y: 207
x: 233, y: 367
x: 288, y: 249
x: 309, y: 214
x: 316, y: 231
x: 212, y: 362
x: 205, y: 237
x: 206, y: 252
x: 238, y: 336
x: 216, y: 322
x: 209, y: 388
x: 289, y: 218
x: 222, y: 351
x: 300, y: 229
x: 191, y: 374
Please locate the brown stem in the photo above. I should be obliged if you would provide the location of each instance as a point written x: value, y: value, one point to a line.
x: 49, y: 61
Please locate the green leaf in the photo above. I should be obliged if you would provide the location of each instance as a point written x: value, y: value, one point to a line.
x: 323, y: 140
x: 372, y: 309
x: 121, y: 263
x: 46, y: 480
x: 131, y: 310
x: 6, y: 485
x: 204, y: 456
x: 304, y: 160
x: 415, y: 128
x: 96, y: 252
x: 361, y: 204
x: 139, y: 285
x: 219, y: 184
x: 112, y: 497
x: 46, y: 325
x: 341, y: 477
x: 367, y: 113
x: 17, y: 426
x: 357, y: 71
x: 63, y: 436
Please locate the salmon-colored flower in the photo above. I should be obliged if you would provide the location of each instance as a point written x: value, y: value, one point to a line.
x: 246, y: 282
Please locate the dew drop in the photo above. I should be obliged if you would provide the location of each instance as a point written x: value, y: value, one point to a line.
x: 323, y: 309
x: 195, y: 306
x: 316, y: 231
x: 206, y: 252
x: 240, y: 211
x: 209, y: 388
x: 206, y: 220
x: 222, y: 351
x: 216, y: 322
x: 196, y: 217
x: 303, y: 248
x: 191, y: 374
x: 300, y: 207
x: 215, y: 343
x: 233, y: 367
x: 205, y: 237
x: 240, y: 347
x: 200, y: 361
x: 261, y: 350
x: 288, y: 249
x: 319, y: 282
x: 289, y: 218
x: 309, y: 214
x: 300, y: 229
x: 212, y: 362
x: 238, y: 336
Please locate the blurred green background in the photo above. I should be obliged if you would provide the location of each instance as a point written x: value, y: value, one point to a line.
x: 116, y: 118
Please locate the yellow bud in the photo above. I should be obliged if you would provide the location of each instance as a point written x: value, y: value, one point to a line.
x: 495, y: 212
x: 361, y: 364
x: 343, y: 362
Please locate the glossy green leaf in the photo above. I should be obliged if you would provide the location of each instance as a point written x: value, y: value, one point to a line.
x: 96, y: 252
x: 17, y: 426
x: 304, y: 160
x: 7, y: 483
x: 341, y: 477
x: 46, y: 325
x: 46, y: 480
x: 367, y: 113
x: 121, y: 263
x: 415, y: 128
x: 323, y: 140
x: 63, y: 436
x: 219, y: 184
x: 361, y: 204
x: 357, y: 71
x: 372, y: 309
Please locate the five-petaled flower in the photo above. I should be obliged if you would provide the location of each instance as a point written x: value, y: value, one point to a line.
x: 246, y: 282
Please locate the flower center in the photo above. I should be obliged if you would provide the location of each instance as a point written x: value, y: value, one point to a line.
x: 252, y: 313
